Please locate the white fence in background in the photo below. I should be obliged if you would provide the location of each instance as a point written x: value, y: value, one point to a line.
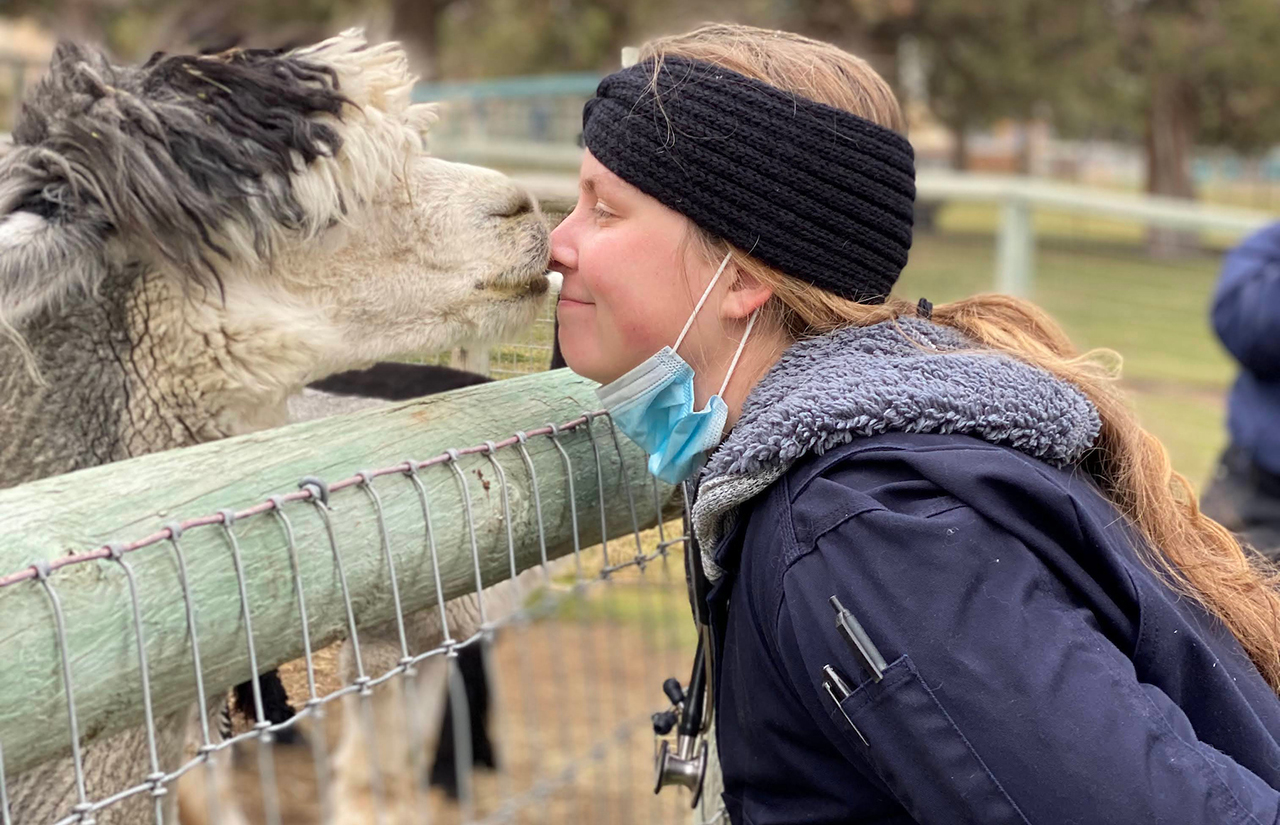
x: 550, y: 171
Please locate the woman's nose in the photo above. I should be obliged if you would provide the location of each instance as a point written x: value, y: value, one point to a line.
x: 564, y: 254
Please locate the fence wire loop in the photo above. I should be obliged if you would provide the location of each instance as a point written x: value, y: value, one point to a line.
x: 640, y: 559
x: 317, y: 487
x: 604, y: 510
x: 471, y: 534
x: 313, y: 704
x: 43, y: 572
x: 506, y: 515
x: 366, y: 482
x: 115, y: 552
x: 573, y: 501
x: 522, y: 442
x: 206, y: 748
x: 320, y: 500
x: 411, y: 471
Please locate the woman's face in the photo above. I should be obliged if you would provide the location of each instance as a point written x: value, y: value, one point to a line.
x: 630, y: 282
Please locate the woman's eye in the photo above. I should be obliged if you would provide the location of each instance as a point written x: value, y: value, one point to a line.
x: 602, y: 213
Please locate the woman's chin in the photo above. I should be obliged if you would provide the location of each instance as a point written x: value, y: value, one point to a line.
x: 579, y: 355
x: 586, y: 368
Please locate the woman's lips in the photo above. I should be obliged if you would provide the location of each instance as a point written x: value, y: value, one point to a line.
x: 570, y: 302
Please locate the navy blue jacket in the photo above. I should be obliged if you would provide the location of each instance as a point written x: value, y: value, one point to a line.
x: 1246, y: 316
x: 1038, y: 670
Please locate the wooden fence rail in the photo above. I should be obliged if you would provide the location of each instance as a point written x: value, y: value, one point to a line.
x: 132, y: 499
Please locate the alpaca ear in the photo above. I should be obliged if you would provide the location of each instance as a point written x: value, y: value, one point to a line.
x: 46, y: 255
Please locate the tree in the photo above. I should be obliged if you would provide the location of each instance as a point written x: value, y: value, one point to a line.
x: 1199, y: 72
x: 983, y: 61
x: 494, y: 38
x: 417, y: 24
x: 1208, y: 71
x: 1169, y: 74
x: 132, y: 29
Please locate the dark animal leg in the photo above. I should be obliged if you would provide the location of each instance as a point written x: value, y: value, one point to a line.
x: 275, y: 705
x: 444, y: 772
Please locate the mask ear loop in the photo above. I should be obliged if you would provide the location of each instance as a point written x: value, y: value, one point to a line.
x: 698, y: 307
x: 741, y: 346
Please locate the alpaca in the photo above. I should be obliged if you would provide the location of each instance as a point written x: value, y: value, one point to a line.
x: 187, y: 243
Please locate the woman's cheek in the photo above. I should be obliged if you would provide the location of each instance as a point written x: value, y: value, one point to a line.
x: 639, y: 337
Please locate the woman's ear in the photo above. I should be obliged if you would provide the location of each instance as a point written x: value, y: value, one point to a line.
x: 747, y: 294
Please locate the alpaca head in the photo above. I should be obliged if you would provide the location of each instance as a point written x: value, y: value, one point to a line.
x: 290, y: 187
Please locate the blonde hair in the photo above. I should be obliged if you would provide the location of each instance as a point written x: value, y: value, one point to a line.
x: 1129, y: 465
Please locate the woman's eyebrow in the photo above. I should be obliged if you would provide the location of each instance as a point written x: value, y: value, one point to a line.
x: 594, y: 185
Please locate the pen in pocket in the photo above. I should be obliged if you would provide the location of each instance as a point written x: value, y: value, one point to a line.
x: 867, y: 653
x: 838, y: 690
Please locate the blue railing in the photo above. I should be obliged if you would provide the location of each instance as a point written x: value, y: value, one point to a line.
x: 574, y: 84
x: 536, y: 109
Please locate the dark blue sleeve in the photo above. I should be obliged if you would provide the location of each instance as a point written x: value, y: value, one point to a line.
x: 1246, y: 306
x: 1003, y: 701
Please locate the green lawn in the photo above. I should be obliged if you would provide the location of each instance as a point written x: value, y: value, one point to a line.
x: 1109, y: 294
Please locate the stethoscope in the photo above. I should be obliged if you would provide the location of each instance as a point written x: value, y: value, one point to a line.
x: 691, y: 707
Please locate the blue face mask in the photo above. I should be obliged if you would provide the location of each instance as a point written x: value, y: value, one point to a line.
x: 653, y: 406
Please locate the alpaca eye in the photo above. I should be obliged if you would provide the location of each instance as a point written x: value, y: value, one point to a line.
x: 37, y: 204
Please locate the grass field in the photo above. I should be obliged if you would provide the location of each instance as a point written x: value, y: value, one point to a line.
x: 1107, y: 293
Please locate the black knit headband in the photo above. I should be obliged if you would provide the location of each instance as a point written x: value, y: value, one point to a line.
x: 818, y: 193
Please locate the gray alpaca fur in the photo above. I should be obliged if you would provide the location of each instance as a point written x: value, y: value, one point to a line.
x: 186, y: 244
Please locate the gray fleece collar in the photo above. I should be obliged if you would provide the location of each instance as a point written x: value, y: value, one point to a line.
x: 862, y: 381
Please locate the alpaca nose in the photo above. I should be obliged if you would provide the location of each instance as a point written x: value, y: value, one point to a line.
x: 517, y: 203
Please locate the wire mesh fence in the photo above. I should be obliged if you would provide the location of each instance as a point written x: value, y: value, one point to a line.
x: 572, y: 653
x: 531, y: 353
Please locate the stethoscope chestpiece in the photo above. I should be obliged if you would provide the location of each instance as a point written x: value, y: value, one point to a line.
x: 686, y: 766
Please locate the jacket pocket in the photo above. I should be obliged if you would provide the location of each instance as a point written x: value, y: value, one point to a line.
x: 918, y: 752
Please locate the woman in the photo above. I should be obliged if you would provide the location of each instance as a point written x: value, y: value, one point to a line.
x: 1055, y: 633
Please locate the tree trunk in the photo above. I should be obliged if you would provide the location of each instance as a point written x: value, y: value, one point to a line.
x: 618, y: 31
x: 416, y: 24
x: 1024, y: 148
x: 959, y: 147
x: 1170, y: 138
x: 76, y: 20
